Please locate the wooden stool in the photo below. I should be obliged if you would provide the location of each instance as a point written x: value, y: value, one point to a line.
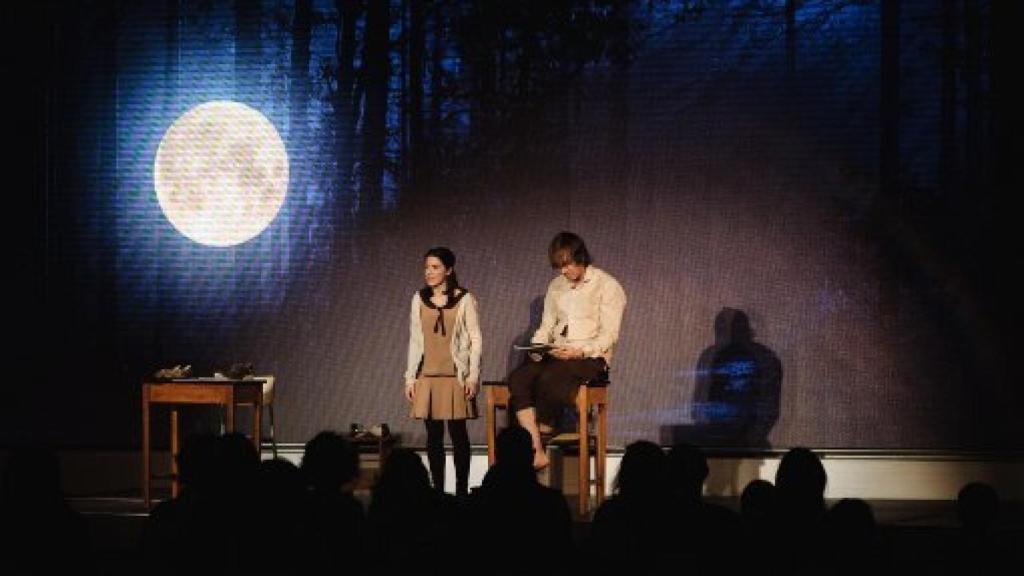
x: 592, y: 394
x: 268, y: 403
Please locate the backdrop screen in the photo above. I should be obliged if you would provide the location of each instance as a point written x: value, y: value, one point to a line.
x: 797, y: 197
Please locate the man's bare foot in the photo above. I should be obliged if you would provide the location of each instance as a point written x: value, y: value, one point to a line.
x: 540, y: 459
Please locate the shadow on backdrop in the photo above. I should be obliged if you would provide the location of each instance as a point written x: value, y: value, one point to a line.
x: 516, y: 357
x: 738, y: 389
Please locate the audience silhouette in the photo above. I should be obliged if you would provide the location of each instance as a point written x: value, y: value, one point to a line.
x: 632, y: 527
x: 657, y: 521
x: 408, y: 521
x: 977, y: 548
x: 795, y: 524
x: 39, y: 532
x: 333, y: 521
x: 514, y: 511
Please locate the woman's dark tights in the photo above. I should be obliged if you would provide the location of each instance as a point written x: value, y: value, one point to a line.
x: 460, y: 449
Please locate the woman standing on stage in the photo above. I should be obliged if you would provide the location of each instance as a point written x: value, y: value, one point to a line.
x: 443, y: 372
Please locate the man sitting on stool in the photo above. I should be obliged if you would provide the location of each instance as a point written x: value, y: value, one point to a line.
x: 582, y: 315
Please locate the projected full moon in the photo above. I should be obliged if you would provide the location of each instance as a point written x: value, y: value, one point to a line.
x: 221, y: 173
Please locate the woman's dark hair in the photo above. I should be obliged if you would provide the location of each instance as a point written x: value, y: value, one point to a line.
x: 644, y: 470
x: 447, y: 257
x: 800, y: 482
x: 329, y: 462
x: 567, y: 247
x: 403, y: 483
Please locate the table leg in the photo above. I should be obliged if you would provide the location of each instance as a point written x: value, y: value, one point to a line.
x: 229, y: 409
x: 257, y: 424
x: 175, y: 449
x: 146, y: 497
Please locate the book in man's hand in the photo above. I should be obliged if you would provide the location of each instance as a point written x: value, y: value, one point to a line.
x: 535, y: 347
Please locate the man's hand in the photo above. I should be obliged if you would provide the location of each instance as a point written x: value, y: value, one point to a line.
x: 409, y: 388
x: 567, y: 353
x: 472, y: 387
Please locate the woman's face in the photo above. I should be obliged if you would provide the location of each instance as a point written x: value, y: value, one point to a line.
x: 434, y: 272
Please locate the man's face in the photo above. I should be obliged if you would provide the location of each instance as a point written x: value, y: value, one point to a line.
x: 572, y: 271
x: 563, y: 262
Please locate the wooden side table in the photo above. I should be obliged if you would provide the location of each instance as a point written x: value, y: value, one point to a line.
x: 195, y: 391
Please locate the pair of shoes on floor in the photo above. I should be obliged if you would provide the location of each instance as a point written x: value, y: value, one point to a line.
x: 358, y: 432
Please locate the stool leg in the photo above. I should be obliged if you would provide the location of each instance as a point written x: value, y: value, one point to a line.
x: 602, y: 449
x: 584, y: 436
x: 492, y: 417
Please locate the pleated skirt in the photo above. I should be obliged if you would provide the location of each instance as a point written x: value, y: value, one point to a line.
x: 441, y: 398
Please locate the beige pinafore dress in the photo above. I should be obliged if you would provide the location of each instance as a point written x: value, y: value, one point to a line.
x: 437, y: 393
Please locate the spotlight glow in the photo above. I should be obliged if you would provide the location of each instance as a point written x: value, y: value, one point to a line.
x: 221, y: 173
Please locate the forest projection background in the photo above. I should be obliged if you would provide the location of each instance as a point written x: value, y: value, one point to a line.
x: 803, y: 201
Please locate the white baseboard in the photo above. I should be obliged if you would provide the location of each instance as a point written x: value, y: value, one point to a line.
x: 871, y: 475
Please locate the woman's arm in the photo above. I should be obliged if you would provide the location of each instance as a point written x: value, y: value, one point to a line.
x: 476, y: 341
x: 415, y: 342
